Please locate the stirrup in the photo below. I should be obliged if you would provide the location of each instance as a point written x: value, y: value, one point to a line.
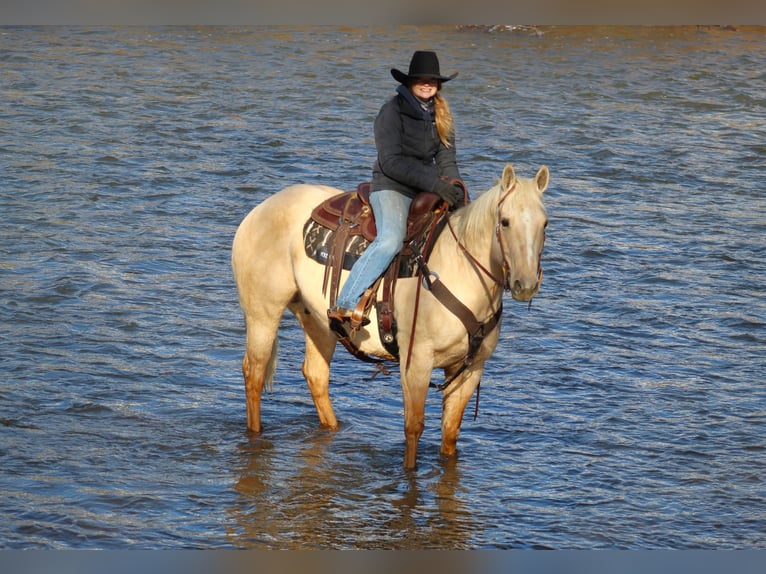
x: 358, y: 317
x: 355, y: 316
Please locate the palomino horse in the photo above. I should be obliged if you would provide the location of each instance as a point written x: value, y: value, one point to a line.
x: 493, y: 243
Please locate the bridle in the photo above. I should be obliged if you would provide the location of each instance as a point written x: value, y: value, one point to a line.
x: 504, y: 281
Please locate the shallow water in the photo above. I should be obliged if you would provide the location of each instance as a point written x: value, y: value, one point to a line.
x: 624, y: 409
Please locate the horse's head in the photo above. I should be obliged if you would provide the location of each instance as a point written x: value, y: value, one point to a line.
x: 521, y: 223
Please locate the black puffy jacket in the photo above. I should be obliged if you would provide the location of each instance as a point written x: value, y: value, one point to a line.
x: 411, y: 157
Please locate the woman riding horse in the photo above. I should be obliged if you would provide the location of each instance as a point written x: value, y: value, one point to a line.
x: 415, y: 139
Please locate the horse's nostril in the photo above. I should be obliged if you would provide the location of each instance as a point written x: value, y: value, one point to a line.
x: 522, y: 292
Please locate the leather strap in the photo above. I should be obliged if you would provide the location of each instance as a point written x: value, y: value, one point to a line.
x: 477, y: 331
x: 334, y: 265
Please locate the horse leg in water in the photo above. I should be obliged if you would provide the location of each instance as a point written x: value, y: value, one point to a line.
x: 258, y: 364
x: 263, y: 300
x: 415, y: 381
x: 320, y: 347
x: 454, y: 401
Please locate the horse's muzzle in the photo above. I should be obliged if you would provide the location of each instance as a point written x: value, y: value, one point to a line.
x: 521, y: 291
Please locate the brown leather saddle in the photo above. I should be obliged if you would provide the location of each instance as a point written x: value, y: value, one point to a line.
x: 354, y: 208
x: 342, y: 226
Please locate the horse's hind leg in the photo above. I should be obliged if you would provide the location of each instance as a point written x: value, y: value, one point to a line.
x: 258, y: 366
x: 320, y: 346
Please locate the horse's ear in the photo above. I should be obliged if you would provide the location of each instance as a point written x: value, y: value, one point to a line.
x: 509, y: 177
x: 542, y: 178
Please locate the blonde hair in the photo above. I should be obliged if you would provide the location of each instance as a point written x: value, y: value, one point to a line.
x: 444, y: 124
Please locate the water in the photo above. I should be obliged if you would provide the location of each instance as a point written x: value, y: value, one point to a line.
x: 625, y: 409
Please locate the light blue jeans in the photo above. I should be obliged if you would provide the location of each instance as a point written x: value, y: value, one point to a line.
x: 390, y: 209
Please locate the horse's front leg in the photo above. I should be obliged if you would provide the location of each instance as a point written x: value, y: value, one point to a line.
x: 414, y: 389
x: 454, y: 400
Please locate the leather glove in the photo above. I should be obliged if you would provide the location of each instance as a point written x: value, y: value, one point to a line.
x: 460, y: 184
x: 452, y: 194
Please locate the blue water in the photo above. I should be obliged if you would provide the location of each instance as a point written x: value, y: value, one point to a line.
x: 624, y: 409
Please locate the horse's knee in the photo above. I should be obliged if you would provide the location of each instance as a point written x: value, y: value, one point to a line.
x: 413, y: 429
x: 451, y: 419
x: 415, y: 426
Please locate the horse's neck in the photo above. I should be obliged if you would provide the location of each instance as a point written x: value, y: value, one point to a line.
x: 467, y: 260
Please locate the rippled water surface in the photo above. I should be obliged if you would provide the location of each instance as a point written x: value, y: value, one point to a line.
x: 625, y: 409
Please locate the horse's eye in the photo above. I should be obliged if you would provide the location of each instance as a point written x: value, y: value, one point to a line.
x: 504, y: 222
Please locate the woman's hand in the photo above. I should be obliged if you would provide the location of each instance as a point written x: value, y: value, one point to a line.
x: 450, y: 193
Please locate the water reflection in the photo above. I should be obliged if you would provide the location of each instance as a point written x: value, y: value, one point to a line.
x: 432, y: 513
x: 322, y: 498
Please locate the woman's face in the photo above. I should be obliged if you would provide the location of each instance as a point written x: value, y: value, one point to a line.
x: 424, y: 88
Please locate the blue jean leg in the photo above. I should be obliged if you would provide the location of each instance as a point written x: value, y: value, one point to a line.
x: 390, y: 209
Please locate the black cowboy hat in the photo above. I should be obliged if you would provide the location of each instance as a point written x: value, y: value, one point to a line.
x: 424, y: 64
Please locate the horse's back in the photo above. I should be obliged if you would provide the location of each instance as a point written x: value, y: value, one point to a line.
x: 291, y: 204
x: 280, y: 215
x: 263, y: 240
